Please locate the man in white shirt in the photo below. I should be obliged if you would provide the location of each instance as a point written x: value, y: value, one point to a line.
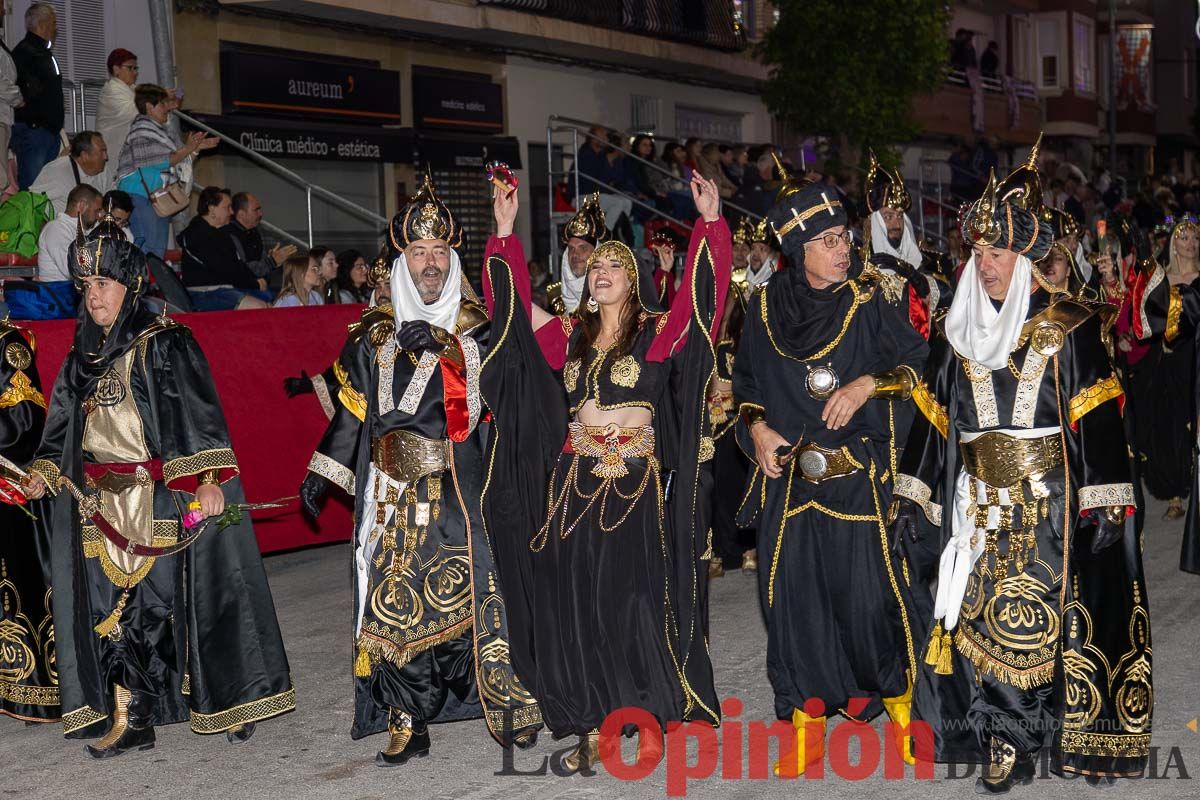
x: 83, y: 204
x: 10, y: 99
x: 83, y: 164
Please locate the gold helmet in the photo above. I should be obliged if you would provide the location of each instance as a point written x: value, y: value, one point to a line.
x: 424, y: 217
x: 884, y: 189
x: 588, y: 223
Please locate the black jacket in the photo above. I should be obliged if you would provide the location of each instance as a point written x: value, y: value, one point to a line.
x: 40, y: 82
x: 211, y: 259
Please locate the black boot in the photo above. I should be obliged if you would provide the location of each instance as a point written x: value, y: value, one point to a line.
x: 1005, y: 770
x: 410, y: 739
x: 241, y: 733
x: 525, y: 740
x: 122, y: 737
x: 140, y: 710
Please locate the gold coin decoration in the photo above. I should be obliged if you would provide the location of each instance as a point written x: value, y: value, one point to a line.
x: 17, y: 355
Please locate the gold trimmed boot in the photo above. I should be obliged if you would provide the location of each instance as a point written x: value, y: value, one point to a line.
x: 409, y: 739
x: 121, y: 737
x: 1174, y: 509
x: 899, y: 711
x: 585, y: 756
x: 806, y: 753
x: 750, y: 561
x: 1004, y: 770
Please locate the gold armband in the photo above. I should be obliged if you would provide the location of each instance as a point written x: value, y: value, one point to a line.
x: 449, y: 345
x: 895, y: 384
x: 210, y: 477
x: 751, y: 414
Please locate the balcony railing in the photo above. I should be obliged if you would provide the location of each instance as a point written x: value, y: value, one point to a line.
x: 714, y: 26
x: 1024, y: 89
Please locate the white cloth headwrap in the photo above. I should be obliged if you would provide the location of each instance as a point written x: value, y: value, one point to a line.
x: 756, y: 279
x: 908, y: 252
x: 572, y: 285
x: 406, y: 300
x: 975, y: 328
x: 1085, y: 266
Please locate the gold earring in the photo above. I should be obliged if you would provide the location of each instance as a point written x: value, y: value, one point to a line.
x: 592, y: 305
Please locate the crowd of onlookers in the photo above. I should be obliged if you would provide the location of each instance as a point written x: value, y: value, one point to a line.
x: 136, y: 167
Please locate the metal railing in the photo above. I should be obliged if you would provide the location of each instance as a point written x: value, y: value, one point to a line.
x: 580, y: 131
x: 1022, y: 88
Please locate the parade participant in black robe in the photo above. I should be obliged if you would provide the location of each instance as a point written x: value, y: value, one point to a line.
x: 147, y: 634
x: 1019, y: 460
x: 606, y: 597
x: 28, y: 677
x: 912, y: 283
x: 430, y: 630
x: 822, y: 363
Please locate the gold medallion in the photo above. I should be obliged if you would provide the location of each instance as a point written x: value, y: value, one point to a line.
x: 1047, y: 338
x: 17, y: 355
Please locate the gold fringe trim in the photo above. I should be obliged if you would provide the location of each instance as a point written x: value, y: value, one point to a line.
x: 380, y: 649
x: 985, y: 663
x: 362, y: 663
x: 81, y: 718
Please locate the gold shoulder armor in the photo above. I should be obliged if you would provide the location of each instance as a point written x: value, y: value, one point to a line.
x: 470, y: 316
x: 376, y: 322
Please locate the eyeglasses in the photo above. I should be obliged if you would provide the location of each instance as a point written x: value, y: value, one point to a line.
x: 830, y: 240
x: 131, y: 67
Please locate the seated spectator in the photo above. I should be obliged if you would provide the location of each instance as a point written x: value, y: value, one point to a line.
x: 678, y: 192
x: 733, y: 163
x: 757, y: 193
x: 80, y: 211
x: 710, y: 168
x: 120, y: 205
x: 593, y: 161
x: 83, y: 164
x: 326, y: 262
x: 693, y: 147
x: 648, y: 183
x: 352, y: 277
x: 247, y: 238
x: 152, y: 157
x: 301, y: 279
x: 115, y: 107
x: 215, y: 278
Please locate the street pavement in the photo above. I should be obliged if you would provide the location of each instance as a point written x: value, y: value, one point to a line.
x: 309, y: 754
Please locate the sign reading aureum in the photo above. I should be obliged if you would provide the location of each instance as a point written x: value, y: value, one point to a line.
x: 262, y: 83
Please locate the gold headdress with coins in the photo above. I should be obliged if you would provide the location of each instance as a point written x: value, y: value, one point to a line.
x: 588, y: 223
x: 425, y: 217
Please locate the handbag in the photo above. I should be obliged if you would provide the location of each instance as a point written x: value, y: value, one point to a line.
x: 168, y: 200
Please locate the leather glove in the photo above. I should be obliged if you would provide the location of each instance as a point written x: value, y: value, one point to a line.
x: 1107, y: 532
x: 298, y: 386
x: 312, y: 494
x: 904, y: 518
x: 416, y: 336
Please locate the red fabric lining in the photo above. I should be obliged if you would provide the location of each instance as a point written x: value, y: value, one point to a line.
x: 918, y: 312
x: 454, y: 395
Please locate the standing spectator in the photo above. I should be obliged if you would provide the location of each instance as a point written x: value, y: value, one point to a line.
x: 215, y: 278
x: 80, y: 212
x: 989, y: 62
x: 39, y: 122
x: 352, y: 277
x: 962, y: 51
x: 326, y: 262
x: 301, y: 280
x: 151, y: 157
x: 115, y: 108
x: 84, y: 163
x: 248, y: 241
x: 10, y: 99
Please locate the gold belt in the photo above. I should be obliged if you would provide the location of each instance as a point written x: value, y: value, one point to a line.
x: 406, y: 457
x: 1001, y: 460
x: 610, y: 444
x: 819, y: 464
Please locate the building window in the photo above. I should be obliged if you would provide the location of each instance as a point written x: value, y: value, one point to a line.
x: 1050, y: 49
x: 1022, y: 49
x: 1084, y: 41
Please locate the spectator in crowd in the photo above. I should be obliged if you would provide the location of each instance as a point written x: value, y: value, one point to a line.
x: 648, y: 184
x: 962, y: 178
x: 247, y: 238
x: 84, y: 163
x: 215, y: 278
x: 80, y: 212
x: 984, y: 159
x: 962, y: 51
x: 593, y: 161
x: 692, y: 147
x: 10, y: 100
x: 731, y: 164
x: 757, y: 194
x: 352, y: 277
x: 151, y: 158
x: 989, y: 62
x: 115, y: 107
x: 679, y: 195
x: 1073, y: 204
x: 710, y: 168
x: 38, y: 123
x: 1056, y: 193
x: 326, y: 261
x: 120, y: 205
x: 301, y: 280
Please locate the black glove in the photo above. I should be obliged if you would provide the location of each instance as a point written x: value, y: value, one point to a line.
x: 906, y: 525
x: 416, y: 336
x: 312, y: 494
x: 1107, y: 531
x: 298, y: 386
x: 889, y: 261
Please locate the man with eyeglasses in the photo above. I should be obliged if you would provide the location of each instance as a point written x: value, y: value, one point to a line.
x: 822, y: 362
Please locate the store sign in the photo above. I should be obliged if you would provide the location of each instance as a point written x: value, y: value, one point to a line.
x: 259, y: 83
x: 457, y: 102
x: 321, y: 143
x: 467, y: 152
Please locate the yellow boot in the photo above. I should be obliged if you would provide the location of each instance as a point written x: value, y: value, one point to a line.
x: 899, y: 710
x: 806, y: 753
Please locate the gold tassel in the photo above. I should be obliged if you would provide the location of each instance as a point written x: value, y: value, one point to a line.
x: 434, y: 490
x: 945, y: 662
x: 112, y: 622
x: 933, y: 653
x: 362, y: 664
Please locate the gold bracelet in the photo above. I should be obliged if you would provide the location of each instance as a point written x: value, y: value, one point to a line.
x: 210, y: 477
x: 895, y: 384
x: 752, y: 414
